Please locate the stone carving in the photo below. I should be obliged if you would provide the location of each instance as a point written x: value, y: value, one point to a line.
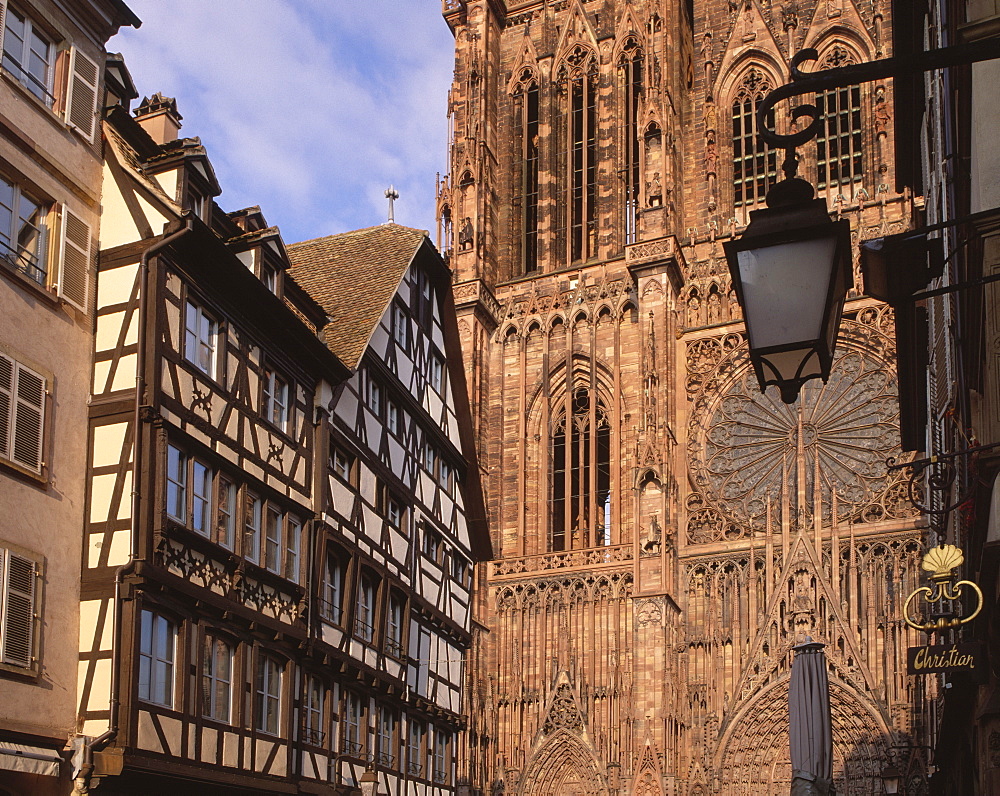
x: 744, y: 446
x: 564, y: 713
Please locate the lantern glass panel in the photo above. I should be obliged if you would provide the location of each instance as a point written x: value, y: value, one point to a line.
x: 785, y: 288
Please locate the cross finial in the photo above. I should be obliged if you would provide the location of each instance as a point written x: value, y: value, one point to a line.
x: 392, y: 195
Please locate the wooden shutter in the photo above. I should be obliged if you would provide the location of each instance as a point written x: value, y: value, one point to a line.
x: 74, y: 259
x: 6, y: 403
x: 3, y: 21
x: 17, y: 621
x: 29, y: 418
x: 82, y: 93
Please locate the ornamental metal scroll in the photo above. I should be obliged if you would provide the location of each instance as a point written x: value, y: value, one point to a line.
x: 941, y: 563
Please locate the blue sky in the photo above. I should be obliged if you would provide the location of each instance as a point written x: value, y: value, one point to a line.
x: 308, y: 108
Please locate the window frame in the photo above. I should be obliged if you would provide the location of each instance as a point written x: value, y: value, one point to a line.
x: 418, y: 734
x: 277, y: 412
x: 354, y: 729
x: 177, y: 466
x: 395, y: 626
x: 393, y: 417
x: 400, y: 326
x: 253, y: 519
x: 23, y: 74
x: 314, y: 710
x: 211, y: 679
x: 366, y: 607
x: 442, y: 747
x: 194, y: 342
x: 343, y: 464
x: 273, y: 544
x: 387, y: 735
x: 374, y: 395
x: 268, y: 678
x: 332, y: 604
x: 160, y: 691
x: 226, y: 512
x: 35, y: 265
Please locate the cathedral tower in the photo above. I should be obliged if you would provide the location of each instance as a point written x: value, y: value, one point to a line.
x: 664, y: 533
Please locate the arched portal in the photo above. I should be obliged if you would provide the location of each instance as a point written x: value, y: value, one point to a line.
x: 563, y: 766
x: 753, y: 759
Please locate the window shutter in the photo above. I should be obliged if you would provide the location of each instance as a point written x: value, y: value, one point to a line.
x: 74, y: 260
x: 29, y: 416
x: 6, y: 402
x: 3, y: 21
x: 81, y: 100
x: 18, y: 611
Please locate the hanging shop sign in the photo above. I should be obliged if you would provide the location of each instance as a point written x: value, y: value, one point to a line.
x: 950, y: 658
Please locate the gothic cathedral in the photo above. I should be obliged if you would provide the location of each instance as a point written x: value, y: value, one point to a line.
x: 664, y: 532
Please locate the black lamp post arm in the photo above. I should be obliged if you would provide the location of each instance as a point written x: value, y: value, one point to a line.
x: 844, y: 76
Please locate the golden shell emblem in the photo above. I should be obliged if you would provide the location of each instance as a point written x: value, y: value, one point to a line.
x: 940, y: 561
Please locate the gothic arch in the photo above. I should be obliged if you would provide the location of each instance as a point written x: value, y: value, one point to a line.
x: 753, y: 747
x: 564, y: 764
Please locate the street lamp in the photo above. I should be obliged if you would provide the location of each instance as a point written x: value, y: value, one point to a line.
x: 369, y: 782
x: 791, y: 269
x: 891, y: 779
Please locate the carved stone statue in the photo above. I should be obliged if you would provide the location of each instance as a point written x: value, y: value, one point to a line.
x: 654, y: 191
x: 465, y: 237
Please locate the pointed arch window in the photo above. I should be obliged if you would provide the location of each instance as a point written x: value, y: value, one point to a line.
x: 578, y: 82
x: 525, y: 100
x: 581, y: 475
x: 755, y: 167
x: 630, y: 66
x: 839, y: 143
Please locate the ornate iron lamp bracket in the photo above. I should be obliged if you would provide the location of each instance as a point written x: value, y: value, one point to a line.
x: 941, y: 563
x: 844, y: 76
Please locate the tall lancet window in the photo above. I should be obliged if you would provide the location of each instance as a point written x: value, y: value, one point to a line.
x: 525, y: 101
x: 581, y: 475
x: 578, y: 79
x: 630, y: 66
x: 755, y: 167
x: 838, y: 145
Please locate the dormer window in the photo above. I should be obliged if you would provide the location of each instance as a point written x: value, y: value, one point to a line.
x: 195, y: 202
x: 269, y: 276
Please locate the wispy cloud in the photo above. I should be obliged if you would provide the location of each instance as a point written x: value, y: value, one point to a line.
x: 310, y: 108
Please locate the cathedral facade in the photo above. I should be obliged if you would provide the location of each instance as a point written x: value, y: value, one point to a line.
x: 664, y: 533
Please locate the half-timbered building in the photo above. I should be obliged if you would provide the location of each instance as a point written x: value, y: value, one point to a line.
x: 51, y: 87
x: 278, y: 556
x: 402, y: 514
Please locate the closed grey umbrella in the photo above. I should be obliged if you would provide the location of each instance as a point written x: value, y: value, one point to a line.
x: 809, y: 729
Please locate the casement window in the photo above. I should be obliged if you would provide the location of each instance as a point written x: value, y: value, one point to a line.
x: 432, y: 543
x: 268, y: 703
x: 217, y: 679
x: 22, y: 414
x: 415, y: 750
x: 273, y: 526
x: 269, y: 277
x: 442, y: 743
x: 459, y: 568
x: 446, y: 477
x: 393, y: 418
x: 426, y: 301
x: 18, y: 609
x: 275, y: 400
x: 201, y: 497
x: 251, y: 527
x: 342, y: 463
x: 436, y: 371
x: 430, y: 457
x: 400, y: 326
x: 225, y: 526
x: 373, y: 396
x: 29, y: 55
x: 201, y: 340
x: 293, y: 546
x: 394, y: 626
x: 332, y: 605
x: 364, y: 615
x: 312, y: 710
x: 32, y: 57
x: 394, y: 512
x: 388, y: 722
x: 353, y: 738
x: 157, y: 650
x: 23, y: 232
x: 177, y: 483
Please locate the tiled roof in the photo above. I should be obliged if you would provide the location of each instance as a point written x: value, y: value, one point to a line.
x: 354, y: 276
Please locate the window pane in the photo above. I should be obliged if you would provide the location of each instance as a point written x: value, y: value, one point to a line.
x: 293, y: 542
x: 176, y: 483
x: 272, y: 552
x: 201, y: 498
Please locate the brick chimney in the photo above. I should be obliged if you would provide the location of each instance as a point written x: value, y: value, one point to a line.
x: 158, y: 116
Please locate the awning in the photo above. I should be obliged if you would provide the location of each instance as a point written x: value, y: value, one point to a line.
x: 29, y: 759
